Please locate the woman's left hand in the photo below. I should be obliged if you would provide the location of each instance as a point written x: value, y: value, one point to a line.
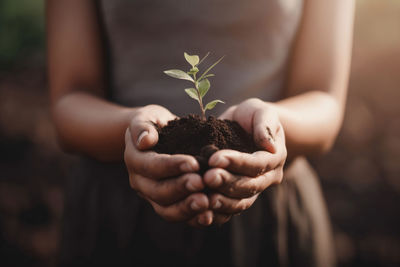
x: 238, y: 178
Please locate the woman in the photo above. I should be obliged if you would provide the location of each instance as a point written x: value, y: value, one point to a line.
x: 285, y: 76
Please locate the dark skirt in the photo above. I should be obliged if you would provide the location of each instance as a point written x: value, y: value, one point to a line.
x: 106, y: 223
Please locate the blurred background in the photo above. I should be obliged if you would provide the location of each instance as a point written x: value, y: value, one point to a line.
x: 360, y: 177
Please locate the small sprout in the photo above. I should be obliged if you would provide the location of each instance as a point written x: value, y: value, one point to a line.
x: 201, y: 84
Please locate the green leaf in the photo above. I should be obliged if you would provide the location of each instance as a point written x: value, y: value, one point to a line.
x: 192, y: 93
x: 212, y: 66
x: 193, y: 70
x: 191, y: 59
x: 212, y: 104
x: 179, y: 74
x: 203, y: 86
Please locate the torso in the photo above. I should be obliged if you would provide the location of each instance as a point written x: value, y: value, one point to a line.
x: 149, y: 36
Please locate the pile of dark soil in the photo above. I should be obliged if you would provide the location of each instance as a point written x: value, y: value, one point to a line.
x: 193, y: 136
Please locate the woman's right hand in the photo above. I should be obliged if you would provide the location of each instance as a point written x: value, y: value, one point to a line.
x: 168, y: 182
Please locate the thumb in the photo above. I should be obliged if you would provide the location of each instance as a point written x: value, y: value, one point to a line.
x: 227, y: 114
x: 144, y: 134
x: 265, y: 127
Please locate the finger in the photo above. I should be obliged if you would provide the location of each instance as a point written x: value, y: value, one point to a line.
x: 201, y: 220
x: 222, y: 204
x: 153, y: 165
x: 168, y: 191
x: 246, y: 164
x: 144, y: 134
x: 237, y: 186
x: 221, y: 218
x: 159, y: 115
x: 183, y: 210
x: 227, y: 114
x: 144, y: 125
x: 266, y: 125
x: 158, y: 166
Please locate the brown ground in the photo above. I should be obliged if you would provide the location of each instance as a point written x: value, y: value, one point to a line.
x: 192, y: 136
x: 360, y: 177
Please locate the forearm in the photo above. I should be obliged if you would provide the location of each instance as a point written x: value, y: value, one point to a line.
x: 311, y: 122
x: 90, y: 125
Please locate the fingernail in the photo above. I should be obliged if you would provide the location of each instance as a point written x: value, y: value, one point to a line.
x: 187, y: 167
x: 194, y: 206
x: 142, y: 134
x: 203, y: 220
x: 191, y: 186
x: 217, y: 181
x: 221, y: 162
x: 217, y: 204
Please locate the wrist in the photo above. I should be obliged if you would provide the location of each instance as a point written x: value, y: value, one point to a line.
x: 128, y: 114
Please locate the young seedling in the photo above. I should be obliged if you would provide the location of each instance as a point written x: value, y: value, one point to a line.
x: 201, y: 84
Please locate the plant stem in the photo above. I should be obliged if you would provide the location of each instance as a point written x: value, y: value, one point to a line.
x: 203, y: 113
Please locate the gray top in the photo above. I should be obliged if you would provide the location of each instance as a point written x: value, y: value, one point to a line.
x: 149, y: 36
